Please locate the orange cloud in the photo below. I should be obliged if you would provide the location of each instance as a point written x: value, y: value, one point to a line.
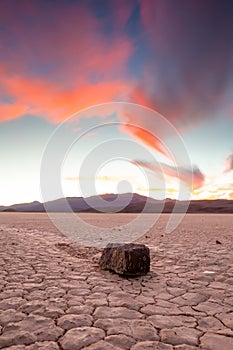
x: 12, y: 111
x: 145, y: 136
x: 53, y: 101
x: 63, y: 63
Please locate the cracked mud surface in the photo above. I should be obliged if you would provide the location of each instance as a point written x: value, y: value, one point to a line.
x: 53, y: 296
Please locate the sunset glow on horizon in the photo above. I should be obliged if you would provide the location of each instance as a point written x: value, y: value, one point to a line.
x: 60, y: 58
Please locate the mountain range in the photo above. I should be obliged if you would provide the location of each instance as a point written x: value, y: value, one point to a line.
x: 123, y: 203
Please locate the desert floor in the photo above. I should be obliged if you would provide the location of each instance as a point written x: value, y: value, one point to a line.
x: 53, y: 295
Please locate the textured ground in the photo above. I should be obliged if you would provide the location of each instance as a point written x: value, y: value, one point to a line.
x: 52, y: 295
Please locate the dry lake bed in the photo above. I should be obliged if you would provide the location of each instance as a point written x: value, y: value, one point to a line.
x: 53, y: 295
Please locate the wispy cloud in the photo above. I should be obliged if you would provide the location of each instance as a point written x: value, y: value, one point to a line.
x: 229, y: 163
x: 147, y: 137
x: 193, y: 177
x: 98, y: 178
x: 169, y: 190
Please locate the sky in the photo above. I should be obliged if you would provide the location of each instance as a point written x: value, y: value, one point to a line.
x: 119, y: 95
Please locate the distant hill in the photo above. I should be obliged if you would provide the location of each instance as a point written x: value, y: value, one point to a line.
x: 123, y: 203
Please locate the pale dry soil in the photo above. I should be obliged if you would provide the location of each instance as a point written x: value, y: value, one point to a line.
x: 53, y: 295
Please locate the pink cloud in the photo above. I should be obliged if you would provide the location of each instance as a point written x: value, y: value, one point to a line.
x: 12, y: 111
x: 145, y: 136
x: 61, y: 61
x: 53, y: 101
x: 192, y: 177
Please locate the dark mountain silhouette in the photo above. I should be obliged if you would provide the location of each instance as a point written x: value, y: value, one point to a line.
x: 123, y: 203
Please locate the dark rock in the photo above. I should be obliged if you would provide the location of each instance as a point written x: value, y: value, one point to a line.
x: 218, y: 242
x: 126, y: 259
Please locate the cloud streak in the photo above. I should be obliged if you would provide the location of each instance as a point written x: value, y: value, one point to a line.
x: 144, y: 135
x: 193, y: 177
